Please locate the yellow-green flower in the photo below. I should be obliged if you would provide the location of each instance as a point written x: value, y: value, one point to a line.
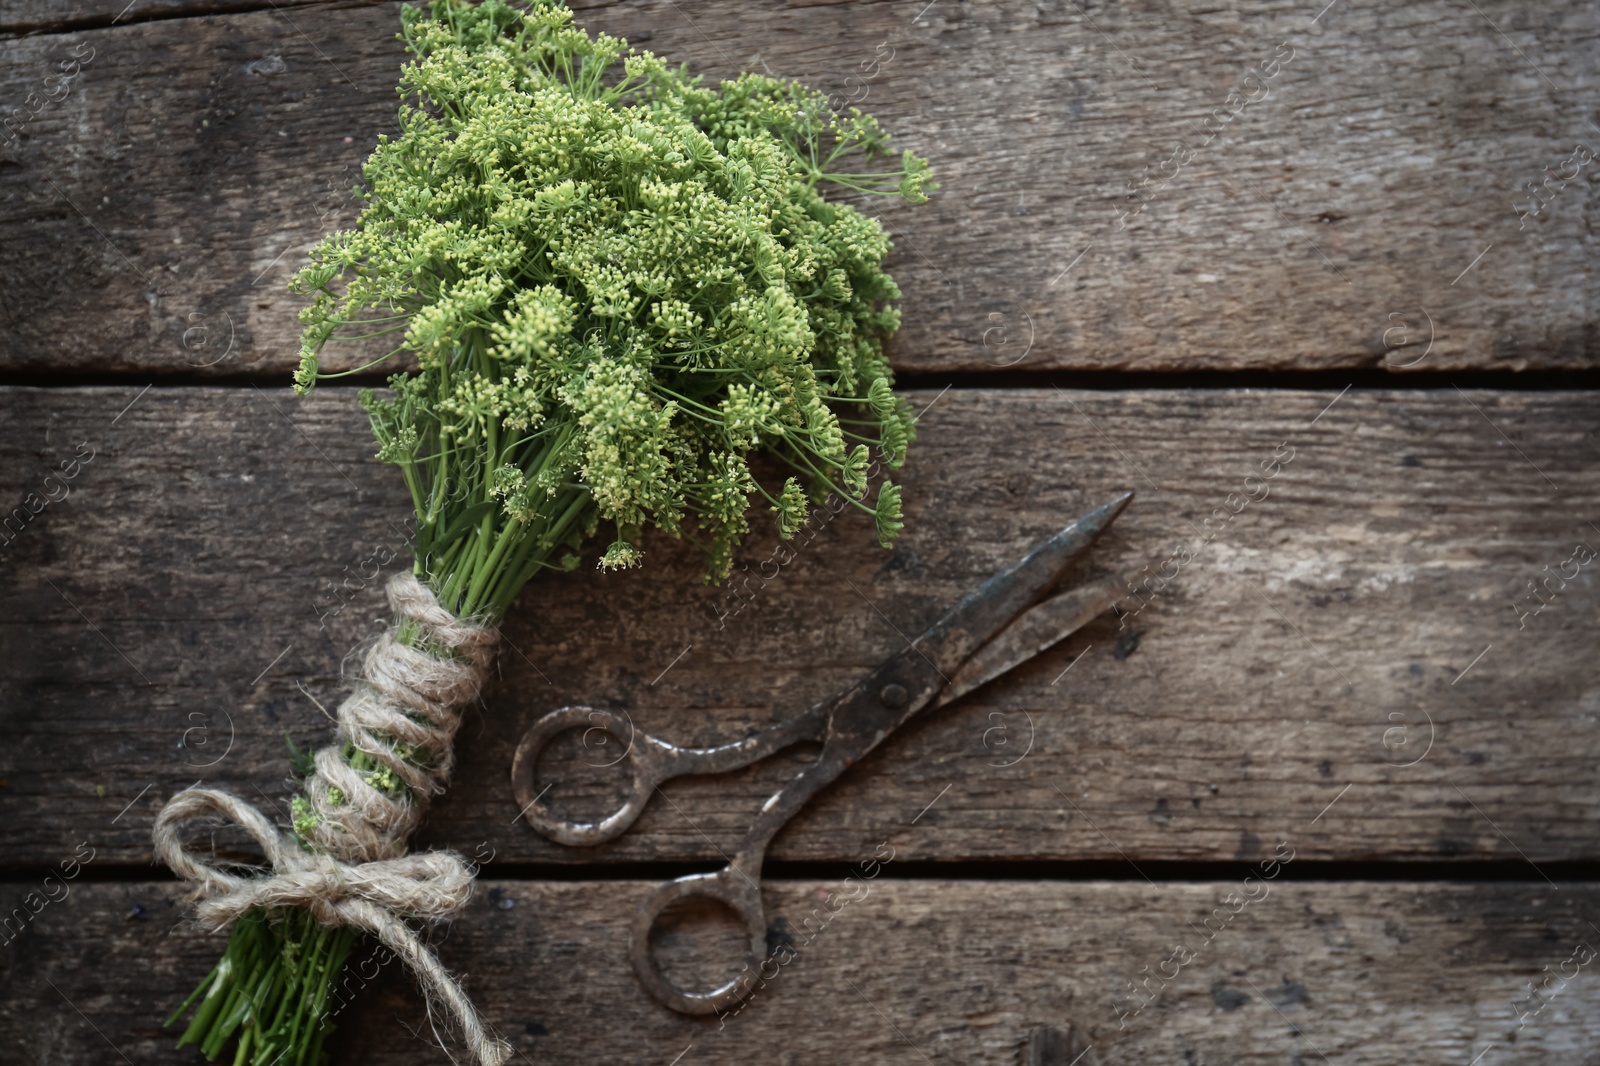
x: 617, y: 283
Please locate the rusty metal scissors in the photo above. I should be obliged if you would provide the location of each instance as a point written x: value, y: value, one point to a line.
x: 1005, y: 622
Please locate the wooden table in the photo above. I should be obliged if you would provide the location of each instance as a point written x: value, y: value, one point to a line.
x: 1329, y: 251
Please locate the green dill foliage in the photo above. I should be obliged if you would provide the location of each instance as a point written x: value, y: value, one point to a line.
x: 618, y: 284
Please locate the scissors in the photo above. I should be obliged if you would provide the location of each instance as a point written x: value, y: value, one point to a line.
x: 1005, y: 622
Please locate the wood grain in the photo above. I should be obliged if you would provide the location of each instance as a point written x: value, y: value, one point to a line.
x: 1341, y: 662
x: 1359, y: 213
x: 39, y: 17
x: 913, y: 972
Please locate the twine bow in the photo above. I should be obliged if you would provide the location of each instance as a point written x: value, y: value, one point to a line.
x: 360, y: 875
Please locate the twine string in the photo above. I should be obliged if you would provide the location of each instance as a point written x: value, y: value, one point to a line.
x: 357, y: 872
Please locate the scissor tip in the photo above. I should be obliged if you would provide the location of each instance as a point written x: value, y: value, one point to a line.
x: 1086, y: 528
x: 1106, y: 513
x: 1098, y: 520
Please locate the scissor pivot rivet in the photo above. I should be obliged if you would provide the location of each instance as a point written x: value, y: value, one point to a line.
x: 893, y: 695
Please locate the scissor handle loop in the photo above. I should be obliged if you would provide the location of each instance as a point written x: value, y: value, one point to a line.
x: 729, y: 886
x: 645, y: 772
x: 650, y: 760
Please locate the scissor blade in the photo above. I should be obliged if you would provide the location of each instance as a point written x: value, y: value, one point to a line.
x: 1039, y: 628
x: 911, y: 680
x: 993, y: 606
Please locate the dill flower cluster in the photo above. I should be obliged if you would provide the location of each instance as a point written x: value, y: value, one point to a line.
x: 618, y: 284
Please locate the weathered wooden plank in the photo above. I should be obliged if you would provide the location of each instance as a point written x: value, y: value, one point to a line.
x: 1359, y: 212
x: 910, y: 972
x: 35, y: 17
x: 1341, y: 662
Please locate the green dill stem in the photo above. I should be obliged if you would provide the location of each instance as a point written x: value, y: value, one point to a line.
x: 275, y: 983
x: 305, y: 985
x: 215, y: 994
x: 769, y: 496
x: 199, y: 991
x: 827, y: 481
x: 409, y: 472
x: 293, y: 922
x: 339, y: 948
x: 514, y: 533
x: 252, y: 992
x: 313, y: 1050
x: 226, y: 1023
x: 532, y: 557
x: 443, y: 461
x: 486, y: 526
x: 210, y: 1025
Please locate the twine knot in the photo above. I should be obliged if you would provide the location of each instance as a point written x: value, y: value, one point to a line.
x: 359, y: 873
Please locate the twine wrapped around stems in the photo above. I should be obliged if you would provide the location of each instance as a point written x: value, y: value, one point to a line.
x: 359, y: 873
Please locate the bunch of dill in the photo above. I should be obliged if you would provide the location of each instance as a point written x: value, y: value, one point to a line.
x: 617, y: 284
